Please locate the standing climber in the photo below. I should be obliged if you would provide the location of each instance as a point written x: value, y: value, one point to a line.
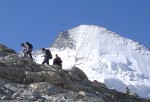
x: 47, y: 55
x: 57, y: 61
x: 27, y: 48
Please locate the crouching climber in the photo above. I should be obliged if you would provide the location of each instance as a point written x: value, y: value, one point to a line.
x: 27, y: 49
x: 57, y: 61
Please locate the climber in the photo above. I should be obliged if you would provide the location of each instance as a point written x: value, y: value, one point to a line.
x: 57, y: 61
x: 47, y: 55
x: 27, y: 48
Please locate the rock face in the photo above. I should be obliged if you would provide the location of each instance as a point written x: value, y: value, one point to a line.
x: 5, y: 51
x: 23, y: 80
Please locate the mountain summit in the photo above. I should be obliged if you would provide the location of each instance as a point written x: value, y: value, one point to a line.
x: 105, y: 56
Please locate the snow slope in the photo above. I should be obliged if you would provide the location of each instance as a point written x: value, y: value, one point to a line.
x: 104, y: 56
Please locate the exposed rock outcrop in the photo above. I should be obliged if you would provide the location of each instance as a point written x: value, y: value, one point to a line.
x: 4, y: 51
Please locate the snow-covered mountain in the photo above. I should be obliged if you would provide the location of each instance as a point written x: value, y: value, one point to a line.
x: 104, y: 56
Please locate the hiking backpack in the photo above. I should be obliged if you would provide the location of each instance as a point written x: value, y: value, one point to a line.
x: 30, y: 45
x: 49, y: 53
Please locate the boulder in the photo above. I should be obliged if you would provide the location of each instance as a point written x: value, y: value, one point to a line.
x: 42, y: 76
x: 29, y: 95
x: 46, y: 88
x: 77, y: 74
x: 12, y: 73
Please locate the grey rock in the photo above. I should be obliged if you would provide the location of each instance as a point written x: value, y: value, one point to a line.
x: 15, y: 95
x: 29, y: 95
x: 41, y: 100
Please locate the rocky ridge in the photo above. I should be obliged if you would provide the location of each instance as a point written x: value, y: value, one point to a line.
x: 23, y: 80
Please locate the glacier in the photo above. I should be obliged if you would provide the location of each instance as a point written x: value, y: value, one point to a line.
x: 104, y: 56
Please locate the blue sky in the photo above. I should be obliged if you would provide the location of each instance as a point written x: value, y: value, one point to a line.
x: 40, y: 21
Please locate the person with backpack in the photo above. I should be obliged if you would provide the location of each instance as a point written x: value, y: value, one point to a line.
x: 57, y: 61
x: 27, y: 48
x: 24, y: 50
x: 47, y: 55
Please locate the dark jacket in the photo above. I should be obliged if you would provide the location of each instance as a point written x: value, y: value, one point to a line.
x: 57, y: 61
